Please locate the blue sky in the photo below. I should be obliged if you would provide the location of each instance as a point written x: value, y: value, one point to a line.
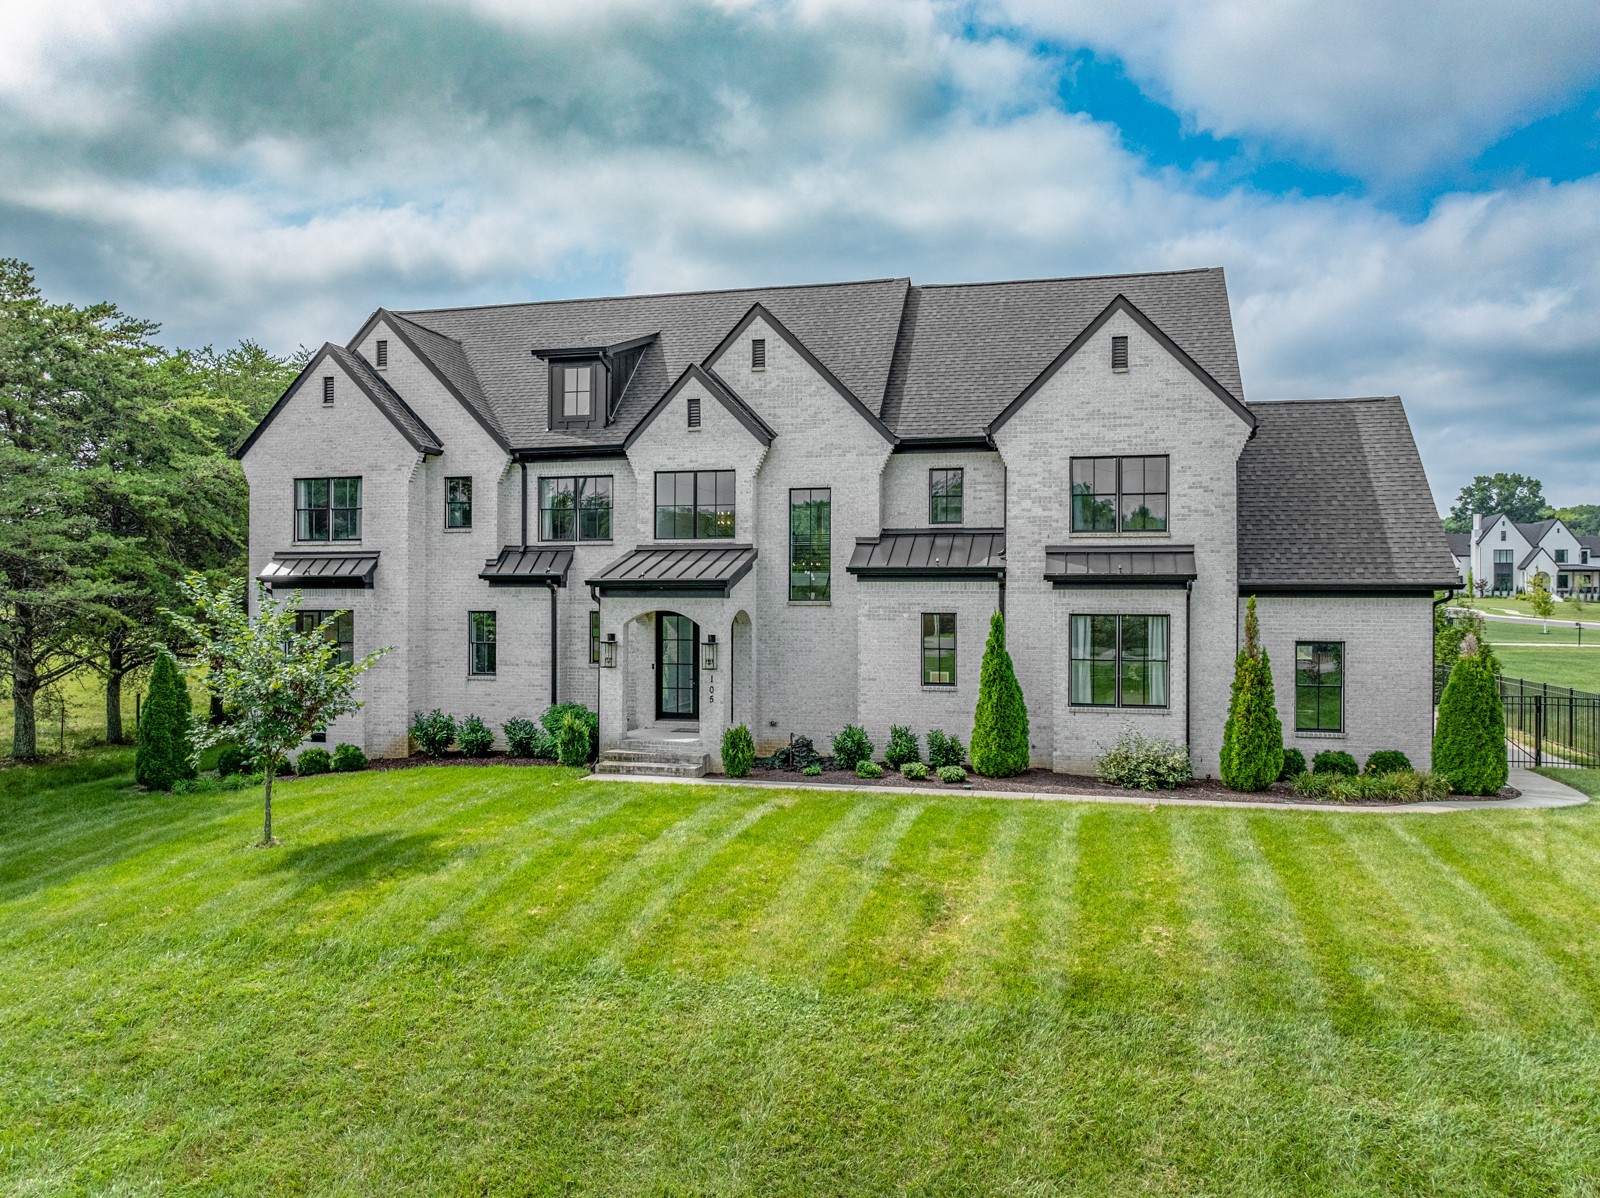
x: 1406, y: 197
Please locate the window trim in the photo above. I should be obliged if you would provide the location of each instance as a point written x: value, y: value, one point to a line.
x: 599, y: 392
x: 1319, y: 687
x: 330, y: 509
x: 1117, y: 528
x: 577, y: 537
x: 922, y: 648
x: 696, y: 507
x: 448, y: 502
x: 347, y: 649
x: 828, y: 569
x: 961, y: 485
x: 1118, y: 659
x: 473, y: 642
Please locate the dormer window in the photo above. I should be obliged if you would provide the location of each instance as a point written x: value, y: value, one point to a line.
x: 577, y: 392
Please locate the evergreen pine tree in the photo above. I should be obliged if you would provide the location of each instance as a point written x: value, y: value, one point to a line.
x: 1252, y: 742
x: 165, y: 728
x: 1469, y: 745
x: 1000, y: 726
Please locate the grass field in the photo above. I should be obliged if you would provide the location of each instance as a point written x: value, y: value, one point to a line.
x: 472, y: 981
x: 1555, y: 659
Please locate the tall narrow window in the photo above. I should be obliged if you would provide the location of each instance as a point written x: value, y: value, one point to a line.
x: 1319, y: 686
x: 458, y: 502
x: 944, y: 496
x: 577, y: 399
x: 694, y: 411
x: 327, y: 390
x: 758, y: 353
x: 383, y: 354
x: 594, y: 638
x: 1119, y: 353
x: 1119, y: 494
x: 327, y: 509
x: 938, y: 648
x: 575, y: 509
x: 1118, y: 661
x: 480, y: 642
x: 338, y: 626
x: 810, y: 544
x: 694, y: 503
x: 1502, y: 569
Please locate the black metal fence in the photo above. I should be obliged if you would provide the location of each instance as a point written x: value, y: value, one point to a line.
x: 1545, y: 724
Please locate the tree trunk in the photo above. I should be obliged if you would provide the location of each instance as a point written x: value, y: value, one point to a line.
x: 24, y: 689
x: 115, y: 672
x: 266, y: 833
x: 217, y: 715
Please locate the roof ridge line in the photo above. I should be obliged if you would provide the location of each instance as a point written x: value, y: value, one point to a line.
x: 595, y: 299
x: 1135, y: 274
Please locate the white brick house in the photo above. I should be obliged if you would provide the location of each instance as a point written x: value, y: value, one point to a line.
x: 796, y: 508
x: 1504, y: 555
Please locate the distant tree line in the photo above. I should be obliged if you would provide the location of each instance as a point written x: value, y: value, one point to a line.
x: 115, y: 483
x: 1521, y: 498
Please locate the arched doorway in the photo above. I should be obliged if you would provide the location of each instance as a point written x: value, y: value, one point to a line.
x: 677, y: 667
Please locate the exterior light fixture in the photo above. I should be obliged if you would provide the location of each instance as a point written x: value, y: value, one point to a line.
x: 708, y: 652
x: 608, y: 651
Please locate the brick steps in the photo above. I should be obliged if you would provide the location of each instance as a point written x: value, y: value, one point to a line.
x: 660, y: 761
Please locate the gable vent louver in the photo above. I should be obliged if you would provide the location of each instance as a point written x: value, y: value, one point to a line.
x: 694, y: 411
x: 1119, y: 353
x: 327, y: 390
x: 758, y: 353
x: 383, y: 353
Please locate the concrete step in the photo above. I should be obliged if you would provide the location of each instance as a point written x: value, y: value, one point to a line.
x: 635, y: 754
x: 652, y: 767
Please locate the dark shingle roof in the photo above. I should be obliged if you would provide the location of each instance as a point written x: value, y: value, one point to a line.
x: 1460, y: 543
x: 447, y: 354
x: 1534, y: 531
x: 1332, y: 496
x: 411, y: 425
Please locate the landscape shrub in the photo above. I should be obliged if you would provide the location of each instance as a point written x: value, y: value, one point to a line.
x: 284, y: 768
x: 475, y: 736
x: 944, y: 750
x: 348, y: 759
x: 914, y: 770
x: 166, y: 726
x: 1252, y: 741
x: 434, y: 732
x: 902, y: 747
x: 1145, y: 763
x: 572, y: 741
x: 527, y: 738
x: 738, y: 752
x: 1294, y: 764
x: 1387, y: 761
x: 556, y: 715
x: 1000, y: 724
x: 1402, y: 786
x: 1469, y: 742
x: 232, y: 760
x: 313, y: 761
x: 868, y: 769
x: 813, y: 770
x: 851, y: 747
x: 1335, y: 761
x: 954, y: 775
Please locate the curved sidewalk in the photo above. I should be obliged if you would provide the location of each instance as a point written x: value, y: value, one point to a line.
x: 1538, y: 792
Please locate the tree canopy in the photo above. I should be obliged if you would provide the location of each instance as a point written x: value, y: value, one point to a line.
x: 1517, y: 495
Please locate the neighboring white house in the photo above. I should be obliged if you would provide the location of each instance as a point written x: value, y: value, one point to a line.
x: 796, y: 508
x: 1503, y: 556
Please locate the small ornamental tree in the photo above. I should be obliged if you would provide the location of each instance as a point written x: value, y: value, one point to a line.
x: 1466, y: 598
x: 1541, y: 600
x: 166, y: 727
x: 1469, y: 744
x: 1000, y: 725
x: 1252, y: 742
x: 277, y: 685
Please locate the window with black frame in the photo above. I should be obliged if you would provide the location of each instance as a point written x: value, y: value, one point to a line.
x: 1319, y: 686
x: 1124, y: 494
x: 938, y: 648
x: 338, y: 626
x: 691, y: 504
x: 575, y: 509
x: 810, y: 544
x: 1118, y: 661
x: 327, y: 509
x: 481, y: 642
x: 458, y: 502
x: 944, y: 495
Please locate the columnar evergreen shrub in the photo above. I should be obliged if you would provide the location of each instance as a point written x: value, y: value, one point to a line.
x: 944, y: 750
x: 1469, y: 742
x: 348, y: 759
x: 851, y: 747
x: 527, y: 738
x: 555, y: 716
x: 1388, y: 761
x: 313, y: 761
x: 1252, y: 742
x: 475, y: 736
x: 433, y: 732
x: 572, y: 741
x: 738, y: 751
x: 166, y: 727
x: 1000, y: 725
x: 902, y: 747
x: 1294, y: 764
x: 868, y: 769
x: 1335, y: 761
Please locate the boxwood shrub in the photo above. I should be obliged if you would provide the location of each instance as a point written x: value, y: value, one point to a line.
x: 1388, y: 761
x: 313, y: 761
x: 1335, y: 761
x: 954, y: 775
x: 434, y: 732
x: 1294, y: 764
x: 914, y: 770
x: 348, y: 758
x: 868, y: 769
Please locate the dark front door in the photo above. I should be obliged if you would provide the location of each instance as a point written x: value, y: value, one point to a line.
x: 677, y: 684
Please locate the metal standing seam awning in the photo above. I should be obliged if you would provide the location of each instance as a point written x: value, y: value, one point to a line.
x: 527, y: 566
x: 305, y: 568
x: 1119, y: 565
x: 676, y: 570
x: 916, y: 553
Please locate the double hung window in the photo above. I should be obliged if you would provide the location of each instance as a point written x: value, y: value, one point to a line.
x: 480, y: 643
x: 458, y: 503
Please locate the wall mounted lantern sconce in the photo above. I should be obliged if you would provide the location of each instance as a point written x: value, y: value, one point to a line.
x: 608, y: 651
x: 708, y: 653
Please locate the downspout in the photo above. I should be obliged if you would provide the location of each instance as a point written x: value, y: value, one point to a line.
x: 553, y: 658
x: 524, y: 504
x: 1188, y: 660
x: 594, y: 597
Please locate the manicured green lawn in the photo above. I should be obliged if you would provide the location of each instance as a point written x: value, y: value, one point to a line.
x: 453, y: 981
x: 1555, y: 658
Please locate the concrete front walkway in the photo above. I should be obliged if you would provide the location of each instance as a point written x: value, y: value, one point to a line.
x: 1537, y: 792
